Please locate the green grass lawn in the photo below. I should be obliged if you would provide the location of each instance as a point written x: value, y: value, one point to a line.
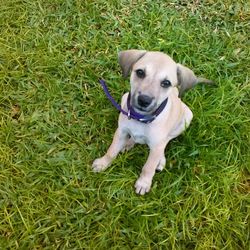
x: 55, y: 120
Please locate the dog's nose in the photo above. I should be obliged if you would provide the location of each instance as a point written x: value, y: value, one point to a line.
x: 144, y: 100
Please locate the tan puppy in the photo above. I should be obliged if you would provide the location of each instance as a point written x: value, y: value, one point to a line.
x: 155, y: 84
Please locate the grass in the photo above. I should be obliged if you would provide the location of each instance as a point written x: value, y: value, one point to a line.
x: 55, y: 120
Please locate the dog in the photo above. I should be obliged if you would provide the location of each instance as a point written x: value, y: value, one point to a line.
x: 153, y: 112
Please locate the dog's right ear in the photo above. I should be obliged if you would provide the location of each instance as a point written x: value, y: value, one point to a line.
x: 127, y: 58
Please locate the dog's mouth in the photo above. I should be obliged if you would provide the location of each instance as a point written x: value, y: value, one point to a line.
x: 144, y: 108
x: 144, y: 111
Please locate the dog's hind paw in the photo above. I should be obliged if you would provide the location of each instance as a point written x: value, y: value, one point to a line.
x: 100, y: 164
x: 161, y: 165
x: 130, y: 144
x: 142, y: 186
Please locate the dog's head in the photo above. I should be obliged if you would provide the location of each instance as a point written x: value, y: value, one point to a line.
x: 153, y: 74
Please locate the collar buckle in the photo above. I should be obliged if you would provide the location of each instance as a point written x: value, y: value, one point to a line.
x: 147, y: 119
x: 129, y: 114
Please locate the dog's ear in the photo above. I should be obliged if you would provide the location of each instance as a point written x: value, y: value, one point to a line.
x: 187, y: 79
x: 127, y: 58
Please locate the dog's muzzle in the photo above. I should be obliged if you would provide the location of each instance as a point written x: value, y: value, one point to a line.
x: 144, y: 100
x: 143, y: 103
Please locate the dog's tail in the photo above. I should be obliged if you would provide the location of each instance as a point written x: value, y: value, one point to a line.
x: 197, y: 80
x: 204, y: 80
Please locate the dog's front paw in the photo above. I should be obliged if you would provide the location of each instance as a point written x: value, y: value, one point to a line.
x: 100, y: 164
x: 142, y: 185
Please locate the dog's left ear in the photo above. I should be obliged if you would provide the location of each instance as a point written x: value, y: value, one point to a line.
x: 187, y: 79
x: 127, y: 58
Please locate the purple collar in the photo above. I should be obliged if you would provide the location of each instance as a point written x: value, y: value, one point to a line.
x: 132, y: 114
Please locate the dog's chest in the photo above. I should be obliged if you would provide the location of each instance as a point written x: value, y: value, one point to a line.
x: 138, y: 133
x: 137, y: 138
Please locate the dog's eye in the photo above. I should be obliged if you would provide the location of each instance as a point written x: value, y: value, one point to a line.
x: 140, y: 73
x: 165, y: 83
